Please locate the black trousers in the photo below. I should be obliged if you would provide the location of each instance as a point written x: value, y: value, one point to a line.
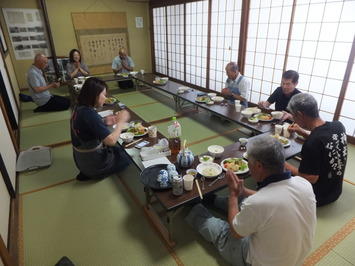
x: 125, y: 84
x: 56, y: 103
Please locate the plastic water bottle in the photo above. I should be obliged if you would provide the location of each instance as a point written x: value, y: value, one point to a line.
x: 174, y: 132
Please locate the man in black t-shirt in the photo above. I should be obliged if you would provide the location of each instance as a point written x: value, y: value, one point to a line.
x: 282, y: 95
x: 324, y: 152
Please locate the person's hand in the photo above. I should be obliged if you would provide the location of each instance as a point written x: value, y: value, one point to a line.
x: 55, y: 84
x: 294, y: 128
x: 77, y: 64
x: 262, y: 104
x: 236, y: 185
x: 285, y: 116
x: 226, y: 91
x: 122, y: 116
x: 110, y: 120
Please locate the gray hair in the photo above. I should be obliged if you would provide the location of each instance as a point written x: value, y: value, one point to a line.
x: 305, y: 103
x: 269, y: 152
x: 233, y: 66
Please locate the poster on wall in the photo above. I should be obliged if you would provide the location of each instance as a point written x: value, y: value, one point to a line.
x: 27, y: 32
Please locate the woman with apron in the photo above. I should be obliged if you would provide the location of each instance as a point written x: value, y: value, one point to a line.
x: 95, y: 148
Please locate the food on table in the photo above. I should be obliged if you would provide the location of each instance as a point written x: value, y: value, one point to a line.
x: 110, y: 100
x: 159, y: 81
x: 235, y: 164
x: 206, y: 158
x: 209, y: 171
x: 254, y: 110
x: 203, y: 98
x: 265, y: 117
x: 283, y: 140
x: 137, y: 129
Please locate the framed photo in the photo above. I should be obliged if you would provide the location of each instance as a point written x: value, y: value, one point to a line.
x: 3, y: 42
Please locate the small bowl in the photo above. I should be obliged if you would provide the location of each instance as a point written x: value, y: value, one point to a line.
x: 243, y: 141
x: 165, y: 79
x: 246, y: 113
x: 183, y: 88
x: 133, y: 73
x: 211, y: 94
x: 192, y: 172
x: 277, y: 114
x: 253, y: 119
x: 210, y: 102
x: 215, y: 150
x: 254, y: 110
x: 180, y: 91
x: 217, y: 99
x: 127, y: 137
x: 205, y: 158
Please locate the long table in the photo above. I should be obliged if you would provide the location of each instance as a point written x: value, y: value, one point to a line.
x: 173, y: 204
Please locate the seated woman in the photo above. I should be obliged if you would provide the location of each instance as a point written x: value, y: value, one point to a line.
x: 75, y: 67
x: 95, y: 148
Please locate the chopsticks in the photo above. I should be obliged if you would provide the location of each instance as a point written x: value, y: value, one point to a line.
x: 199, y: 189
x: 134, y: 142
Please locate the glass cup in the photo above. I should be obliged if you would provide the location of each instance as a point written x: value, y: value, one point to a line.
x: 278, y: 129
x: 142, y: 71
x: 238, y: 107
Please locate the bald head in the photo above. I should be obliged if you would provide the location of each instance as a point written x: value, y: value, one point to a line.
x: 41, y: 61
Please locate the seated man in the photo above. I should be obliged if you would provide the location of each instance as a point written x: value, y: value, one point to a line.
x: 39, y: 89
x: 123, y: 64
x: 282, y: 95
x: 324, y: 152
x: 237, y: 86
x: 275, y: 225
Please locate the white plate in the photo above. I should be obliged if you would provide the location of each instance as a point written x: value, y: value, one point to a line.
x: 265, y: 120
x: 286, y: 140
x: 122, y: 75
x: 299, y: 136
x: 245, y: 155
x: 238, y: 172
x: 113, y: 101
x: 159, y: 82
x: 210, y: 167
x: 141, y: 135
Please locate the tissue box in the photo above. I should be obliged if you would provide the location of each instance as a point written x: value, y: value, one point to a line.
x: 150, y: 153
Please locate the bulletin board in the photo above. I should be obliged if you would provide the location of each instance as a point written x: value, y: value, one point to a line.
x: 100, y: 36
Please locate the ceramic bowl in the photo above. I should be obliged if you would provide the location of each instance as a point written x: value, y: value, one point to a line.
x: 127, y: 137
x: 215, y: 150
x: 183, y: 88
x: 165, y: 79
x: 246, y: 113
x: 277, y: 114
x: 133, y: 73
x: 253, y: 119
x: 212, y: 94
x: 209, y: 170
x: 217, y: 99
x: 210, y: 102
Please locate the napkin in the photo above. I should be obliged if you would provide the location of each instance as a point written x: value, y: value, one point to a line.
x: 162, y: 160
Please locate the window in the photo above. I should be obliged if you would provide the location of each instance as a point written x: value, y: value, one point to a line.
x: 194, y: 41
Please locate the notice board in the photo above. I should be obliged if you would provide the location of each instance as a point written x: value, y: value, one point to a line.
x: 100, y: 35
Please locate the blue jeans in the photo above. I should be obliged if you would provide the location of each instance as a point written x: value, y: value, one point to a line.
x: 217, y: 232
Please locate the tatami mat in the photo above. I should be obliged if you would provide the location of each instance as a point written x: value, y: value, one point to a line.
x: 92, y: 223
x: 45, y: 134
x: 62, y: 169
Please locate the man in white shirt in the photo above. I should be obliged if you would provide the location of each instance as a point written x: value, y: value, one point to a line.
x: 274, y: 225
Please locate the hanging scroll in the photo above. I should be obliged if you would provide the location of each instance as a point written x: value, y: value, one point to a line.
x: 100, y: 36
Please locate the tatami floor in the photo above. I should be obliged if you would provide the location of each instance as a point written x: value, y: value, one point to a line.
x: 102, y: 223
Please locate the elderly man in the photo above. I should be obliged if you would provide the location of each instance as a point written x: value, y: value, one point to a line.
x: 324, y: 152
x: 39, y: 89
x: 274, y: 225
x: 282, y: 95
x: 123, y: 64
x: 237, y: 86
